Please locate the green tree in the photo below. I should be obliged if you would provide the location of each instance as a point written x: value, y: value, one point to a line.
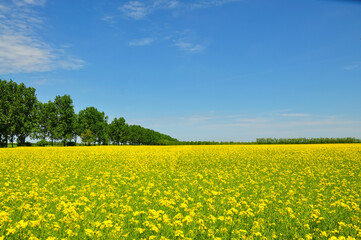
x: 41, y: 130
x: 13, y: 120
x: 25, y: 112
x: 46, y: 121
x: 87, y: 137
x: 65, y: 118
x: 76, y: 133
x: 17, y: 111
x: 95, y: 121
x: 6, y: 110
x: 117, y: 131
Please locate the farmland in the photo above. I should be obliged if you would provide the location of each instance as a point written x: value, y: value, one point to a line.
x: 181, y: 192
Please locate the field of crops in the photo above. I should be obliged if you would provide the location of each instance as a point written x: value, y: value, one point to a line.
x: 181, y: 192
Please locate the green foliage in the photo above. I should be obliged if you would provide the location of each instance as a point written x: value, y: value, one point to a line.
x: 117, y: 131
x: 65, y: 118
x: 17, y: 112
x: 137, y: 135
x: 96, y: 122
x: 46, y: 121
x: 25, y: 144
x: 71, y: 144
x: 87, y: 137
x: 42, y: 143
x: 306, y: 140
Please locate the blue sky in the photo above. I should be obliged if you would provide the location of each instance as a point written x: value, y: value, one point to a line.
x: 224, y: 70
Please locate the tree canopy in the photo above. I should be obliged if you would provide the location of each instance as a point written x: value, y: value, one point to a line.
x: 23, y: 116
x: 17, y: 112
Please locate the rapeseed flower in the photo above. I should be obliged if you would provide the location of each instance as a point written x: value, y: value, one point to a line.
x: 184, y: 192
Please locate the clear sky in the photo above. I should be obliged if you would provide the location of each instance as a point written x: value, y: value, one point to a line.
x: 223, y: 70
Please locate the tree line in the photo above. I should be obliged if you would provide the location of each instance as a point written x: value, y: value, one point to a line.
x: 307, y: 140
x: 23, y: 116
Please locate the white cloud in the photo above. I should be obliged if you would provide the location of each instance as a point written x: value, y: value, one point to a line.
x: 142, y: 42
x: 138, y: 10
x: 185, y: 40
x: 70, y: 63
x: 135, y: 10
x: 23, y: 54
x: 209, y: 3
x: 189, y: 47
x: 22, y: 50
x: 29, y: 2
x: 165, y: 4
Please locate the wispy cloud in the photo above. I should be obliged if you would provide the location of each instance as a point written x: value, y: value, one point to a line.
x: 21, y: 47
x: 209, y: 3
x: 294, y: 115
x: 29, y: 2
x: 189, y: 47
x: 353, y: 66
x: 165, y: 4
x: 187, y: 42
x: 143, y: 9
x: 184, y: 40
x: 109, y: 18
x: 135, y: 9
x: 140, y: 9
x: 142, y: 42
x: 23, y: 54
x: 248, y: 127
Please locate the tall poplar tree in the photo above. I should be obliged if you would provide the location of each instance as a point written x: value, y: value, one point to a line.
x: 65, y: 118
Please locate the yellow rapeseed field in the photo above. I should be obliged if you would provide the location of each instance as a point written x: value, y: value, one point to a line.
x: 181, y: 192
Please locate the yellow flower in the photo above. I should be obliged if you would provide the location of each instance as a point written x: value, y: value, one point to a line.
x: 10, y: 231
x: 188, y: 219
x: 309, y: 236
x: 154, y: 228
x: 258, y: 234
x: 89, y: 232
x: 108, y: 223
x: 70, y: 233
x: 22, y: 224
x: 179, y: 233
x: 140, y: 230
x: 33, y: 238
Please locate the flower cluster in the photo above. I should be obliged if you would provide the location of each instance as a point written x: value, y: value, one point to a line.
x: 181, y: 192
